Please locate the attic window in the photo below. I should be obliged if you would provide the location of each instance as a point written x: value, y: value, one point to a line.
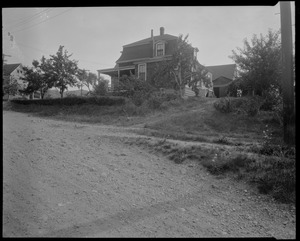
x: 160, y: 49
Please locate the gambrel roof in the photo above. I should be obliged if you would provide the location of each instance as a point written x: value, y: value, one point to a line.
x: 165, y: 37
x: 143, y: 48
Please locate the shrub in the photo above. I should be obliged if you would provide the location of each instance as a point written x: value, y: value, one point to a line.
x: 74, y: 101
x: 262, y: 171
x: 266, y: 176
x: 225, y: 162
x: 278, y: 113
x: 242, y: 105
x: 252, y: 105
x: 101, y: 88
x: 133, y: 88
x: 272, y: 99
x: 138, y: 98
x: 154, y: 102
x: 170, y: 96
x: 223, y: 105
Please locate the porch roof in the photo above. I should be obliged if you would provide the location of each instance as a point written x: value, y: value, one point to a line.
x: 114, y: 71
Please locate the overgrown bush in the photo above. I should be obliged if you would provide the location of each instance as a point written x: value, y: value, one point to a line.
x: 264, y: 171
x: 272, y: 99
x: 154, y: 102
x: 243, y: 105
x: 227, y: 162
x: 223, y: 105
x: 133, y: 88
x: 170, y: 96
x: 101, y: 88
x: 138, y: 97
x: 73, y: 101
x: 252, y: 105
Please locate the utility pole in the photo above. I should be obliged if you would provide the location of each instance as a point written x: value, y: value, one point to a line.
x: 287, y: 74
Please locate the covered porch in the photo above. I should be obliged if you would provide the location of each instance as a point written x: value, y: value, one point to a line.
x: 117, y: 72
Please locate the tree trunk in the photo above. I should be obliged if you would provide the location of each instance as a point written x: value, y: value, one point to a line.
x: 62, y: 89
x: 180, y: 81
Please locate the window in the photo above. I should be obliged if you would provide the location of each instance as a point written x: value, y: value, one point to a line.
x: 142, y: 71
x: 160, y: 49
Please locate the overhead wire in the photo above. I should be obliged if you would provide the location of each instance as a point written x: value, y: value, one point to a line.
x: 37, y: 14
x: 16, y: 31
x: 25, y: 20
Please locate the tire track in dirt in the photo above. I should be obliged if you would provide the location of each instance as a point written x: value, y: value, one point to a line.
x: 79, y: 180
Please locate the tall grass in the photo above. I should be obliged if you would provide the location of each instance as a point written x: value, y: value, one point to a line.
x: 272, y: 175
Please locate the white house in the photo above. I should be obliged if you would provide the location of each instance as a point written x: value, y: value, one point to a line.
x: 14, y: 72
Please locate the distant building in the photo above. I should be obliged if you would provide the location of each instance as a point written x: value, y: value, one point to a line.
x: 221, y: 76
x: 14, y: 72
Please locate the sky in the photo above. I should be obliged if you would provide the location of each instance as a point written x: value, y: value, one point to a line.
x: 95, y: 35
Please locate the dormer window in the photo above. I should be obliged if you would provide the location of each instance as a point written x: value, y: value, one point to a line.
x: 160, y: 49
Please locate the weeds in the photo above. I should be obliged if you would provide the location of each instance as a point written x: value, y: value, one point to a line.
x: 262, y: 171
x: 223, y: 105
x: 240, y: 105
x: 71, y: 101
x: 223, y: 140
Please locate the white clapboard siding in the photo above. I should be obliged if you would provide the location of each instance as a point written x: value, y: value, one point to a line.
x: 189, y: 92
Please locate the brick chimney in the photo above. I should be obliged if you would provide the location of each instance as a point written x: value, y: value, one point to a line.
x: 151, y: 33
x: 162, y: 30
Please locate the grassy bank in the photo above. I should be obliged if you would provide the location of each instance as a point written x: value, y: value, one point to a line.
x: 274, y: 175
x: 256, y: 154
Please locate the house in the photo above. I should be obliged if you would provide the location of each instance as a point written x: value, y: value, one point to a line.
x: 221, y: 77
x: 14, y: 72
x: 141, y: 57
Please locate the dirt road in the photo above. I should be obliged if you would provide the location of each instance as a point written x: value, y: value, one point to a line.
x: 62, y: 179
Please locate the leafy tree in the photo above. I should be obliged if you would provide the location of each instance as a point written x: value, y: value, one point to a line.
x: 100, y: 87
x: 88, y: 79
x: 183, y: 69
x: 258, y: 63
x: 10, y: 86
x: 38, y: 78
x: 61, y: 70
